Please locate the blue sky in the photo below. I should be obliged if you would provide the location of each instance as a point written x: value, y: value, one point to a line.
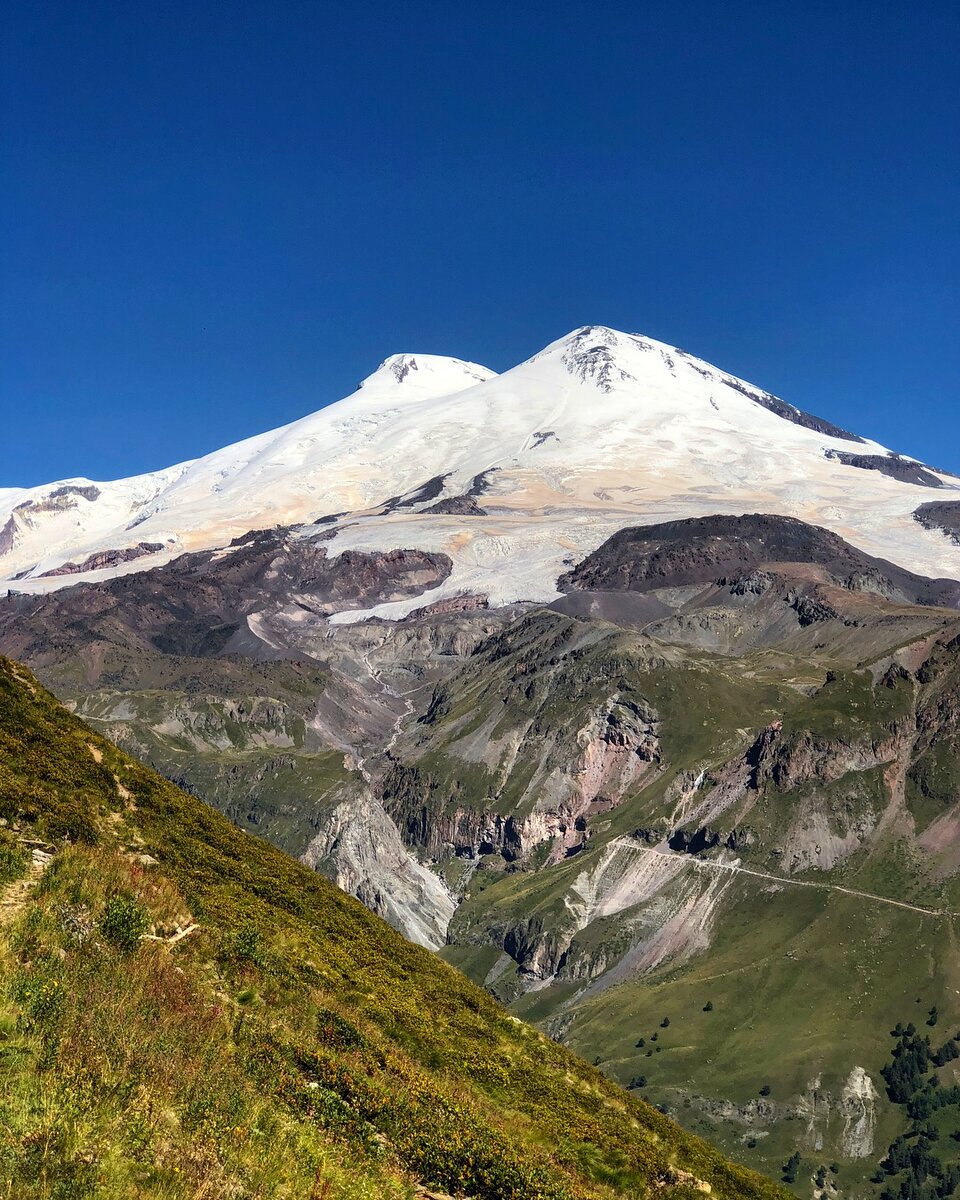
x: 216, y: 216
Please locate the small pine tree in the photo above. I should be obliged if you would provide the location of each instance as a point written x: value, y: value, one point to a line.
x: 765, y: 1090
x: 665, y: 1022
x: 641, y: 1042
x: 708, y: 1007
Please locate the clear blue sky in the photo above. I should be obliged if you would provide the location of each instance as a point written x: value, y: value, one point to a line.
x: 218, y: 215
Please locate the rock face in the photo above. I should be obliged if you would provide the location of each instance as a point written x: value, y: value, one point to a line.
x: 906, y: 470
x: 858, y: 1102
x: 360, y: 849
x: 710, y: 549
x: 199, y: 602
x: 943, y: 515
x: 104, y: 559
x: 457, y: 506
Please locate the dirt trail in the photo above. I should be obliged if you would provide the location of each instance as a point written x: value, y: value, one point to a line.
x: 14, y: 897
x: 807, y: 883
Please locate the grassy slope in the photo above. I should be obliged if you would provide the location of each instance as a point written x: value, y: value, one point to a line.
x: 292, y: 1045
x: 231, y: 730
x: 804, y: 984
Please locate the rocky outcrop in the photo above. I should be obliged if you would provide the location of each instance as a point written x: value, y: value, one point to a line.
x: 468, y: 602
x: 197, y: 603
x: 60, y: 499
x: 858, y: 1107
x: 722, y: 549
x: 614, y: 751
x: 429, y: 490
x: 105, y: 558
x: 904, y: 470
x: 789, y: 412
x: 942, y: 515
x: 456, y: 506
x: 8, y: 535
x: 845, y: 1119
x: 591, y: 356
x: 438, y: 831
x: 360, y: 849
x: 787, y: 762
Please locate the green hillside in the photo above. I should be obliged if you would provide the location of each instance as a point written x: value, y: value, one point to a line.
x: 186, y: 1012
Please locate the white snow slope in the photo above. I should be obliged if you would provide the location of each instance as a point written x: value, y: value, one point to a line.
x: 599, y: 431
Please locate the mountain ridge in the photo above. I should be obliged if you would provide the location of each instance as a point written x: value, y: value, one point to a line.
x: 557, y: 439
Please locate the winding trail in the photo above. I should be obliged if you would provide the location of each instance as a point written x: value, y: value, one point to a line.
x: 807, y: 883
x: 14, y: 897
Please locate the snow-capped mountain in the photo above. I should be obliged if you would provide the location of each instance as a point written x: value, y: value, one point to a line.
x: 515, y: 477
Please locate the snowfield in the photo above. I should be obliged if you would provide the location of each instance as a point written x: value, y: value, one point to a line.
x: 598, y: 431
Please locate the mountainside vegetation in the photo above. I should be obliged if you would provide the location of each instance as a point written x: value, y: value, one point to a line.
x: 186, y: 1011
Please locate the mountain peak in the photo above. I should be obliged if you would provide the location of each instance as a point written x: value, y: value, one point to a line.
x: 435, y: 374
x: 603, y: 356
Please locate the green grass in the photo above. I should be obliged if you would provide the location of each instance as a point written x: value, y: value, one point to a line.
x: 292, y: 1045
x: 805, y: 985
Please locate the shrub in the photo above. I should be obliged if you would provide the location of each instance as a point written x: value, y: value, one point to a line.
x: 245, y: 945
x: 124, y: 921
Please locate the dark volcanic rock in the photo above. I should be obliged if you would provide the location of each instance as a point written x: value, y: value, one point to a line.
x: 59, y: 499
x: 629, y: 609
x: 8, y: 536
x: 905, y: 470
x: 458, y: 506
x: 789, y: 412
x: 720, y: 548
x: 943, y: 515
x: 481, y: 483
x: 418, y: 495
x: 198, y: 603
x: 105, y: 558
x: 466, y: 602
